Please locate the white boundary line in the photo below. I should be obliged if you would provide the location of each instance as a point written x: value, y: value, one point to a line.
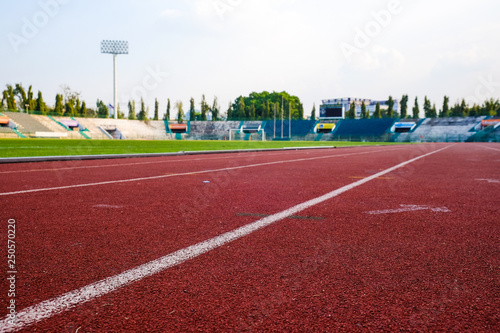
x: 51, y: 307
x: 486, y: 147
x: 185, y: 173
x: 237, y: 155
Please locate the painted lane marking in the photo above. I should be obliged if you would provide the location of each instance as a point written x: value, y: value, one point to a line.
x: 296, y: 217
x: 382, y: 178
x: 184, y: 173
x: 409, y: 208
x: 144, y: 163
x: 490, y: 148
x: 495, y: 181
x: 51, y: 307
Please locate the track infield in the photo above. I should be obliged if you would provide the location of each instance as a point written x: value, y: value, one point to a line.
x: 355, y: 239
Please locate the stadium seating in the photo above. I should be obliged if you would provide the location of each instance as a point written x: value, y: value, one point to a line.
x: 130, y: 129
x: 363, y: 128
x: 25, y: 123
x: 443, y: 130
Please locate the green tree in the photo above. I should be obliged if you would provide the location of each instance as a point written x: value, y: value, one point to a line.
x: 21, y: 94
x: 102, y: 109
x: 215, y: 110
x: 142, y: 113
x: 378, y: 113
x: 404, y: 106
x: 59, y: 108
x: 252, y: 112
x: 192, y: 111
x: 464, y: 108
x: 166, y: 116
x: 9, y: 97
x: 241, y: 109
x: 230, y: 112
x: 204, y: 108
x: 427, y: 108
x: 364, y: 113
x: 313, y: 112
x: 83, y: 110
x: 416, y: 109
x: 390, y: 109
x: 70, y: 109
x: 120, y: 114
x: 434, y: 111
x: 157, y: 106
x: 131, y: 110
x: 31, y: 101
x: 351, y: 114
x: 474, y: 111
x: 180, y: 111
x: 301, y: 112
x: 40, y: 104
x: 445, y: 111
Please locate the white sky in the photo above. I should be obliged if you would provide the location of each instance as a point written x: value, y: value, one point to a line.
x: 315, y: 49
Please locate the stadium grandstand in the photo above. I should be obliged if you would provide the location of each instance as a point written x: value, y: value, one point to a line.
x: 23, y: 125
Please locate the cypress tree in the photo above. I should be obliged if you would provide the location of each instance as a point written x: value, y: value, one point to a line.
x: 131, y: 110
x: 192, y: 112
x: 215, y: 109
x: 427, y: 108
x: 445, y: 112
x: 83, y: 110
x: 364, y: 113
x: 404, y: 106
x: 166, y: 116
x: 416, y: 109
x: 156, y: 109
x: 180, y: 111
x: 390, y: 110
x: 241, y: 109
x: 40, y: 104
x: 377, y: 114
x: 313, y: 112
x: 58, y: 109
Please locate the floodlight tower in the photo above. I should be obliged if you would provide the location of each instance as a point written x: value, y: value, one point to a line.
x: 114, y: 47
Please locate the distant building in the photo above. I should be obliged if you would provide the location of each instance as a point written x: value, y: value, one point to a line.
x: 337, y: 108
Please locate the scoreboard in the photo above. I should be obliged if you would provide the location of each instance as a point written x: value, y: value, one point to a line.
x: 331, y: 111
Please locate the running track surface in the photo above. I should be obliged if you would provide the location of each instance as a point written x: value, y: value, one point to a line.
x: 409, y: 241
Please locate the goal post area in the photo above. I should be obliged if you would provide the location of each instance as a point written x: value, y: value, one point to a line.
x: 241, y: 134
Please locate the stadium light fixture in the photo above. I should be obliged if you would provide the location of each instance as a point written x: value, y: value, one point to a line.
x: 114, y: 47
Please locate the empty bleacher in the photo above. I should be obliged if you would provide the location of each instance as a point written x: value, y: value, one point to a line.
x: 453, y: 129
x: 25, y: 123
x: 130, y: 129
x: 212, y: 130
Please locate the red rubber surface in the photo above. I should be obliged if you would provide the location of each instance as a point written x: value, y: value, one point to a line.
x: 341, y: 269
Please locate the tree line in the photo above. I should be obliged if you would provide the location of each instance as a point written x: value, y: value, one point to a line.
x: 489, y: 107
x: 256, y: 106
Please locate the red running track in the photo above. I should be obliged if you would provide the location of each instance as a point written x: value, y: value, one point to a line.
x: 416, y: 249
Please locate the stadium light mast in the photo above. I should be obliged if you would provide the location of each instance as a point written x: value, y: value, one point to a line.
x: 114, y: 47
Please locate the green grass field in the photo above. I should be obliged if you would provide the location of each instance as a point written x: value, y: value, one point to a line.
x: 57, y: 147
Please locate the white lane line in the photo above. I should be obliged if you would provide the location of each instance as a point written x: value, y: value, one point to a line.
x: 490, y: 148
x: 237, y: 155
x: 409, y: 208
x: 49, y: 308
x: 118, y: 164
x: 185, y: 173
